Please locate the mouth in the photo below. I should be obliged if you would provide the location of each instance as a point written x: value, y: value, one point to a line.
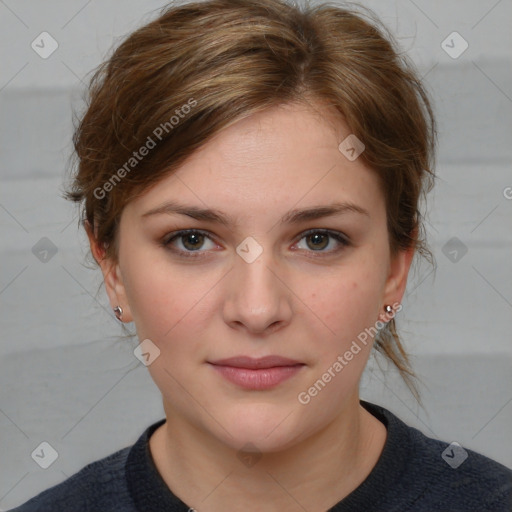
x: 257, y: 374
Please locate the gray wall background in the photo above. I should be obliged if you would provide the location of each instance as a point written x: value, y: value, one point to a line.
x: 66, y: 379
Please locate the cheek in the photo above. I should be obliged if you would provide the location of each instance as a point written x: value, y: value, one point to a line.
x: 347, y: 302
x: 160, y: 306
x: 348, y: 306
x: 163, y: 297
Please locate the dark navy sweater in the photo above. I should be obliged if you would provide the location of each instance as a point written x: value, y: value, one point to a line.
x: 414, y: 473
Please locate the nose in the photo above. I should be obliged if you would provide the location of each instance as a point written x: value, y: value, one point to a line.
x: 258, y: 299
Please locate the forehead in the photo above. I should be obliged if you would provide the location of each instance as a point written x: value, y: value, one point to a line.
x: 278, y: 136
x: 275, y: 159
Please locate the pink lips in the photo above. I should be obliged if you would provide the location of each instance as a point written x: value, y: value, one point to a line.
x: 257, y: 374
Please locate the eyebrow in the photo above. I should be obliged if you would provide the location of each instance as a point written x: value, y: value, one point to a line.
x: 292, y: 217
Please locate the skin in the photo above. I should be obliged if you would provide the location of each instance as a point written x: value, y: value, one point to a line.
x: 302, y: 298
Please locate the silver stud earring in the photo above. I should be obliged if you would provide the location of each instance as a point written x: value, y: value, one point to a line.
x: 118, y: 311
x: 388, y: 309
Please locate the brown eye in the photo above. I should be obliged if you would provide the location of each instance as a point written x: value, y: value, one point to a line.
x: 187, y: 242
x: 317, y: 240
x: 192, y: 241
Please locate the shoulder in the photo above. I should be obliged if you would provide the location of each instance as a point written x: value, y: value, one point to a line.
x: 439, y: 475
x: 460, y: 479
x: 100, y: 485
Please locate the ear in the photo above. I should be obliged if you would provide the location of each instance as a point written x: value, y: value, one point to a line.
x: 398, y: 272
x: 111, y: 275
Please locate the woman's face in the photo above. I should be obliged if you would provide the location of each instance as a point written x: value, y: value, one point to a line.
x: 265, y: 270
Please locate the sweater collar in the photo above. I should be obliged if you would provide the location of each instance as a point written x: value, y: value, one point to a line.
x: 150, y: 492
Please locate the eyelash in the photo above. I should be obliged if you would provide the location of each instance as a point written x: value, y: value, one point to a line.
x: 166, y: 242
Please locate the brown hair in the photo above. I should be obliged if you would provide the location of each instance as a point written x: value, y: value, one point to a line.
x: 199, y: 67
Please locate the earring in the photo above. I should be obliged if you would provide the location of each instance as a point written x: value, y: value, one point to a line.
x: 118, y: 310
x: 388, y: 313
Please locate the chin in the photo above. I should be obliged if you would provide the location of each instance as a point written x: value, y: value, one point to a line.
x: 267, y: 428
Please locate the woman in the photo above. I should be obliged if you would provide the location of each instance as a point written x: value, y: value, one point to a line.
x: 250, y: 174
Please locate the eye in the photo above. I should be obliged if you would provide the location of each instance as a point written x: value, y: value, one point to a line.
x: 190, y: 240
x: 319, y: 239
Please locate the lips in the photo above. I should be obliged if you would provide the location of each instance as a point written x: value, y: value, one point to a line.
x: 256, y: 364
x: 257, y: 374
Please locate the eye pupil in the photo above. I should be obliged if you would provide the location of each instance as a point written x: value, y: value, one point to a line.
x: 195, y: 237
x: 317, y: 237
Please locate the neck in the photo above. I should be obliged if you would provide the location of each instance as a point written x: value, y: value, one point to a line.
x: 314, y: 474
